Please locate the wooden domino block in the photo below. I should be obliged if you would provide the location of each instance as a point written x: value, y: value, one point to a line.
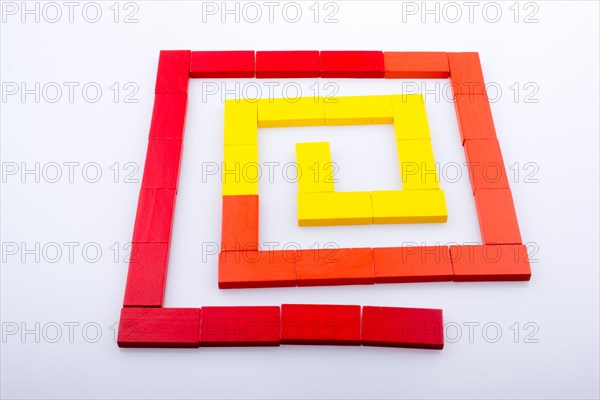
x: 358, y: 110
x: 146, y: 275
x: 417, y: 165
x: 497, y: 217
x: 241, y: 127
x: 173, y: 71
x: 329, y: 267
x: 154, y: 217
x: 257, y: 269
x: 402, y: 327
x: 168, y: 116
x: 416, y: 65
x: 287, y: 64
x: 465, y: 74
x: 474, y: 115
x: 409, y: 206
x: 241, y: 171
x: 304, y: 111
x: 320, y: 324
x: 490, y: 263
x: 334, y: 208
x: 159, y: 327
x: 315, y: 170
x: 222, y: 64
x: 239, y: 227
x: 240, y: 326
x: 410, y: 117
x: 163, y: 160
x: 486, y: 166
x: 412, y: 264
x: 352, y: 64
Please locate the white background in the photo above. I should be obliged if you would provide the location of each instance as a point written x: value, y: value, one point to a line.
x: 551, y: 122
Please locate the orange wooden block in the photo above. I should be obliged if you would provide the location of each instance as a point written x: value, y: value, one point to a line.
x: 466, y: 74
x: 486, y: 166
x: 412, y: 264
x: 474, y: 116
x: 490, y: 263
x: 239, y: 229
x: 257, y: 269
x: 416, y: 65
x: 497, y: 216
x: 327, y: 267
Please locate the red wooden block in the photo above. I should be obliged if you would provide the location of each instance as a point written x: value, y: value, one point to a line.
x: 508, y: 262
x: 222, y: 64
x: 239, y: 228
x: 412, y: 264
x: 173, y: 71
x: 240, y: 326
x: 402, y: 327
x: 416, y: 65
x: 288, y: 64
x: 466, y: 74
x: 257, y: 269
x: 474, y: 116
x: 325, y: 267
x: 159, y: 327
x: 168, y: 116
x: 147, y: 274
x: 154, y: 217
x: 320, y: 324
x: 486, y: 166
x: 352, y: 64
x: 497, y: 217
x: 163, y: 160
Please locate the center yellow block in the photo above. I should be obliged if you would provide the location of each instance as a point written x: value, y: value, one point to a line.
x: 334, y: 208
x: 304, y: 111
x: 315, y: 170
x: 409, y: 206
x: 358, y: 110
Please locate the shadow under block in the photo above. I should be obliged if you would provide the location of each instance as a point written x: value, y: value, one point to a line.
x: 288, y: 64
x: 168, y: 116
x: 358, y: 110
x: 352, y: 64
x: 486, y: 166
x: 159, y: 327
x: 240, y: 125
x: 239, y: 227
x: 222, y: 64
x: 417, y: 165
x: 173, y: 71
x: 474, y: 117
x: 403, y: 327
x: 304, y: 111
x: 241, y: 171
x: 163, y: 160
x: 315, y: 170
x: 410, y: 117
x: 416, y: 65
x: 335, y: 208
x: 146, y: 275
x: 154, y: 217
x: 320, y: 324
x: 409, y: 206
x: 497, y: 217
x: 466, y: 74
x: 240, y: 326
x: 508, y: 262
x: 335, y: 266
x: 412, y: 264
x: 257, y: 269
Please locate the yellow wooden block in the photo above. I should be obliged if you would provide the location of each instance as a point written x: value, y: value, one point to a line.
x: 240, y: 172
x: 334, y: 208
x: 409, y: 206
x: 358, y: 110
x: 305, y: 111
x: 315, y: 170
x: 417, y: 165
x: 241, y: 125
x: 410, y: 117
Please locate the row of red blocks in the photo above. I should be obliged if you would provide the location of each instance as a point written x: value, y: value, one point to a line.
x: 308, y: 324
